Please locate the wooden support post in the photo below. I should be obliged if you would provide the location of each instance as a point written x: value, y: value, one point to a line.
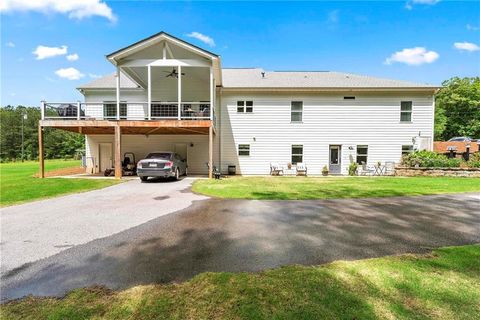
x: 40, y: 152
x: 210, y: 152
x: 211, y: 93
x: 117, y: 150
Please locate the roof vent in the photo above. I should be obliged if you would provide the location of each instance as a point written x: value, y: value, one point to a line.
x: 263, y: 74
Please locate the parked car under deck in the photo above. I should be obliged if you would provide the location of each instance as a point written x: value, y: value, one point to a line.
x: 162, y: 164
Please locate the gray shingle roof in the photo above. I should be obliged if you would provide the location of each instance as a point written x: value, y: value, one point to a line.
x: 252, y: 78
x: 109, y: 82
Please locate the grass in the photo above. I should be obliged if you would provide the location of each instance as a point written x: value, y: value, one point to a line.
x: 444, y: 284
x: 302, y: 188
x: 17, y: 184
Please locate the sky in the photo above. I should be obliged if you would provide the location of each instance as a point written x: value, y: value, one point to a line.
x: 50, y: 47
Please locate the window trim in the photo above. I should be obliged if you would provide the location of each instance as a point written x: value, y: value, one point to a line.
x: 408, y: 112
x: 296, y: 112
x: 296, y: 154
x: 361, y: 146
x: 241, y: 148
x: 244, y: 106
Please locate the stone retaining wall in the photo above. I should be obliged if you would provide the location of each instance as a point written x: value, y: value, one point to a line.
x: 437, y: 172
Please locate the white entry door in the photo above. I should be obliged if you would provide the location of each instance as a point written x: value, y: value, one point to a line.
x: 181, y: 150
x: 105, y: 153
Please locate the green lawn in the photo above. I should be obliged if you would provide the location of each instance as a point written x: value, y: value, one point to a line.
x: 444, y: 284
x: 292, y: 188
x: 18, y: 185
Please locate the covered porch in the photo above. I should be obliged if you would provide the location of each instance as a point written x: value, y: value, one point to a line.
x: 107, y: 141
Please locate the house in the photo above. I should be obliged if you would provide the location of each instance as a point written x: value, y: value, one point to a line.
x: 168, y: 94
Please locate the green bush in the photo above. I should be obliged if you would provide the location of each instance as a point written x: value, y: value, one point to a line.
x: 474, y: 161
x: 352, y: 169
x: 429, y: 159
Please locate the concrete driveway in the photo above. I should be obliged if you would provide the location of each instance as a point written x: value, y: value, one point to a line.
x: 243, y: 235
x: 40, y: 229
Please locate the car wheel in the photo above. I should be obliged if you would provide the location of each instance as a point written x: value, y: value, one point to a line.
x: 144, y: 179
x: 177, y: 174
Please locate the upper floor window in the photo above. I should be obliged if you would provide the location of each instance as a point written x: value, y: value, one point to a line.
x: 245, y: 106
x: 349, y: 98
x: 243, y: 149
x: 406, y: 149
x: 297, y: 153
x: 406, y: 111
x: 296, y: 111
x: 110, y: 110
x: 362, y: 154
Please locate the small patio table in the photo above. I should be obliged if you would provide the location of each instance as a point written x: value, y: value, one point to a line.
x: 379, y: 170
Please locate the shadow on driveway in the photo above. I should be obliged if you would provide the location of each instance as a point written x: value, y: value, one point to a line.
x: 253, y: 235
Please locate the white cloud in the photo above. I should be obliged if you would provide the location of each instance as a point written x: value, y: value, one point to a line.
x: 409, y: 5
x: 76, y: 9
x: 466, y: 46
x: 94, y: 76
x: 43, y: 52
x: 413, y: 56
x: 69, y: 73
x: 10, y: 44
x: 333, y: 16
x: 204, y: 38
x: 472, y: 28
x: 72, y: 57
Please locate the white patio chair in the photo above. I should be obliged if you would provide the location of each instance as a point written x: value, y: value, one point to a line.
x: 389, y: 168
x: 301, y: 169
x: 275, y: 169
x: 366, y: 170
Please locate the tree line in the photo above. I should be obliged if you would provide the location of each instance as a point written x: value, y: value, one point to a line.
x: 457, y: 113
x: 57, y: 143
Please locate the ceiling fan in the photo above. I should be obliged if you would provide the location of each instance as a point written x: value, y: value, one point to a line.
x: 173, y: 73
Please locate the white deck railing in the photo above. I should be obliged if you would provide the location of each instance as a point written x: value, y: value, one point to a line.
x: 107, y: 110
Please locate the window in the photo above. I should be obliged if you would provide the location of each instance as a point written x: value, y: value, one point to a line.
x: 406, y: 111
x: 348, y: 98
x: 297, y: 154
x: 243, y: 149
x: 110, y: 110
x: 245, y: 106
x: 406, y: 149
x: 296, y: 111
x: 362, y: 154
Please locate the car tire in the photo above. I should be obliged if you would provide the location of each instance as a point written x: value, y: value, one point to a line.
x: 144, y: 179
x: 177, y: 174
x: 186, y: 172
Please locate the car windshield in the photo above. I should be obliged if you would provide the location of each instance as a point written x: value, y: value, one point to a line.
x: 159, y: 155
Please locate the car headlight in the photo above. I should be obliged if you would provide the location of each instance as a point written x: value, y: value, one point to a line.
x: 139, y: 165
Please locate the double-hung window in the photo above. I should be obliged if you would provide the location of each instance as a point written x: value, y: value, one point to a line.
x: 362, y: 154
x: 245, y: 106
x: 296, y: 111
x: 243, y: 149
x: 297, y: 153
x: 110, y: 110
x: 406, y: 111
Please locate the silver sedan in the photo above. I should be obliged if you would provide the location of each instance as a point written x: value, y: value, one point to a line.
x: 164, y: 164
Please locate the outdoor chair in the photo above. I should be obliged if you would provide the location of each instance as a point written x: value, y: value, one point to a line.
x: 301, y: 169
x: 366, y: 170
x: 275, y: 169
x: 389, y: 168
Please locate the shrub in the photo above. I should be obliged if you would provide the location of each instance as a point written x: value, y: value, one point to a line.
x: 352, y: 169
x: 474, y: 161
x: 429, y: 159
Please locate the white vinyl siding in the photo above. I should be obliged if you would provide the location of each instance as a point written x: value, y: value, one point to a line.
x: 372, y: 119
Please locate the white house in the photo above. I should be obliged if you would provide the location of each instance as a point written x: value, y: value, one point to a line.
x: 170, y: 95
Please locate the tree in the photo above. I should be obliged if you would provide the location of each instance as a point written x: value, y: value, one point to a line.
x: 58, y: 143
x: 457, y: 108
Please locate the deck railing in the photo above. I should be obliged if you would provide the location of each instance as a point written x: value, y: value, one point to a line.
x: 107, y: 110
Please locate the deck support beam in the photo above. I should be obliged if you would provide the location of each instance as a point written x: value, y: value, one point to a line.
x: 41, y: 173
x: 210, y: 152
x: 117, y: 150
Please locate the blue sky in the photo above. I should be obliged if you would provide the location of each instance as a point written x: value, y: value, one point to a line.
x: 420, y: 40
